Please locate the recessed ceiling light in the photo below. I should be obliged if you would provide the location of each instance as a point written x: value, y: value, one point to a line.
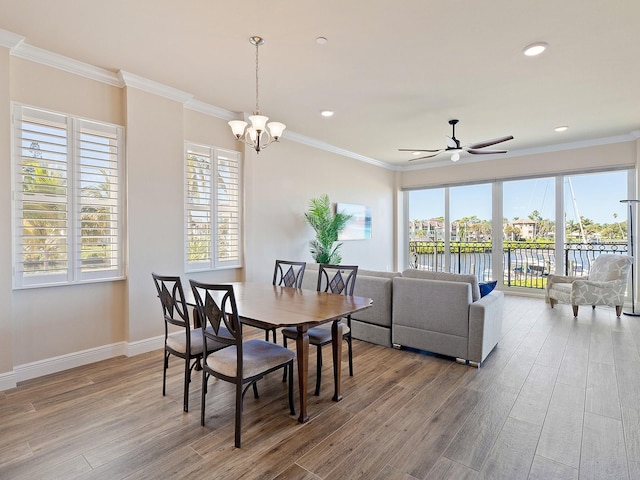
x: 561, y: 128
x: 321, y: 40
x: 535, y: 49
x: 417, y: 153
x: 327, y: 113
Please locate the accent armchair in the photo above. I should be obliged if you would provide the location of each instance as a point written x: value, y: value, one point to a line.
x: 606, y: 284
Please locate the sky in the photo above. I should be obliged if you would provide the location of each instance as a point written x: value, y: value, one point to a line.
x: 597, y: 197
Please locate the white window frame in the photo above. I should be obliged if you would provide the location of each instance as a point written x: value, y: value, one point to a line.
x: 76, y: 161
x: 214, y: 259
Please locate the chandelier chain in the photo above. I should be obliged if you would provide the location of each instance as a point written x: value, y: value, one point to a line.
x: 257, y: 92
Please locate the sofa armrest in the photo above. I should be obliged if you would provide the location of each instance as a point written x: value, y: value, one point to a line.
x: 485, y: 325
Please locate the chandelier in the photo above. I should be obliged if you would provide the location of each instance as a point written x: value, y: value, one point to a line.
x: 259, y: 134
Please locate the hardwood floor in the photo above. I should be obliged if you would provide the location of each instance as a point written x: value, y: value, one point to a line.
x: 558, y: 399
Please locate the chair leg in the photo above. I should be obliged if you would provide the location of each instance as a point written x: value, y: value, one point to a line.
x: 164, y: 373
x: 284, y: 374
x: 552, y: 302
x: 318, y: 370
x: 203, y: 397
x: 618, y: 310
x: 291, y: 407
x: 575, y: 310
x: 187, y: 380
x: 255, y: 391
x: 238, y: 413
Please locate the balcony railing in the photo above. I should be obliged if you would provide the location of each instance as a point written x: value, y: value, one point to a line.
x: 526, y: 264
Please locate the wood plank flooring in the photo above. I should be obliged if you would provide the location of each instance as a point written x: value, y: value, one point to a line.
x: 558, y: 399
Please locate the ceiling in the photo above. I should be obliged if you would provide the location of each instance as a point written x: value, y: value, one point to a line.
x: 393, y: 72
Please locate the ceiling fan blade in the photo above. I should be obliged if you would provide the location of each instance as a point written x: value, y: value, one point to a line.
x: 451, y: 143
x: 427, y: 156
x: 488, y: 143
x: 418, y: 150
x: 484, y: 152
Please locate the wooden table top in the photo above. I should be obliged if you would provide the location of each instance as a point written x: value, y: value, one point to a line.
x: 274, y: 306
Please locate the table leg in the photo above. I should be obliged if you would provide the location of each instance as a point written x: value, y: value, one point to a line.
x: 302, y: 352
x: 336, y: 345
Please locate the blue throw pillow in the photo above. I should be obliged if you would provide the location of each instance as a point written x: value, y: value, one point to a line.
x: 487, y: 287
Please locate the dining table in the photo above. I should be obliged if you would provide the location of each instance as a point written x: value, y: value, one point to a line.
x: 271, y: 306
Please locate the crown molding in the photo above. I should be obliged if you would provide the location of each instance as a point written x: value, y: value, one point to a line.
x: 150, y: 86
x: 50, y: 59
x: 211, y: 110
x: 312, y: 142
x: 9, y: 39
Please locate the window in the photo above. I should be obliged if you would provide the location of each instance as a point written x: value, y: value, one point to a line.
x: 67, y: 199
x: 533, y: 242
x: 212, y: 208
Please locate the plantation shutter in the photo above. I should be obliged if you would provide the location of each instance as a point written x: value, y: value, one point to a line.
x: 66, y: 198
x: 228, y: 208
x: 198, y: 212
x: 98, y: 222
x: 212, y: 208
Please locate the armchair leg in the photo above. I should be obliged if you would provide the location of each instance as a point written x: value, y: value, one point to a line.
x: 618, y: 310
x: 575, y: 310
x: 552, y: 302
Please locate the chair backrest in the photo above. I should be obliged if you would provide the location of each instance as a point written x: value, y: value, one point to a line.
x: 609, y: 267
x: 288, y: 277
x: 216, y: 307
x: 174, y: 306
x: 339, y: 279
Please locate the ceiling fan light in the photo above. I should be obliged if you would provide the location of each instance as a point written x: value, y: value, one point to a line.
x: 535, y: 49
x: 455, y: 157
x: 276, y: 129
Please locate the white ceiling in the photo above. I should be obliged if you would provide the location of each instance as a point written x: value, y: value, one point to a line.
x: 394, y: 72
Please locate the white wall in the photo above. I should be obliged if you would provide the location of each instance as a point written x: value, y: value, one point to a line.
x: 280, y: 182
x: 6, y: 317
x: 86, y: 322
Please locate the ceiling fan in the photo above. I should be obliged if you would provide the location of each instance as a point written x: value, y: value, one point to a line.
x: 453, y: 146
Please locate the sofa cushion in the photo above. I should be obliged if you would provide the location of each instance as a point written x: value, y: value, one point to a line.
x: 447, y: 277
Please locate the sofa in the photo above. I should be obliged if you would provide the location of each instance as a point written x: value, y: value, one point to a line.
x: 444, y: 313
x: 434, y: 311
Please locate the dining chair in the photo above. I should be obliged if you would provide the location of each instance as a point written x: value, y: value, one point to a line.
x: 187, y: 343
x: 242, y: 363
x: 282, y: 277
x: 338, y: 279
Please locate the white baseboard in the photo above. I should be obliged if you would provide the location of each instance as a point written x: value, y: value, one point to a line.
x: 7, y: 381
x: 65, y: 362
x: 144, y: 346
x: 47, y: 366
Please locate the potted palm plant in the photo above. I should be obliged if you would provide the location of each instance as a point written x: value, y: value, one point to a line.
x: 327, y: 226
